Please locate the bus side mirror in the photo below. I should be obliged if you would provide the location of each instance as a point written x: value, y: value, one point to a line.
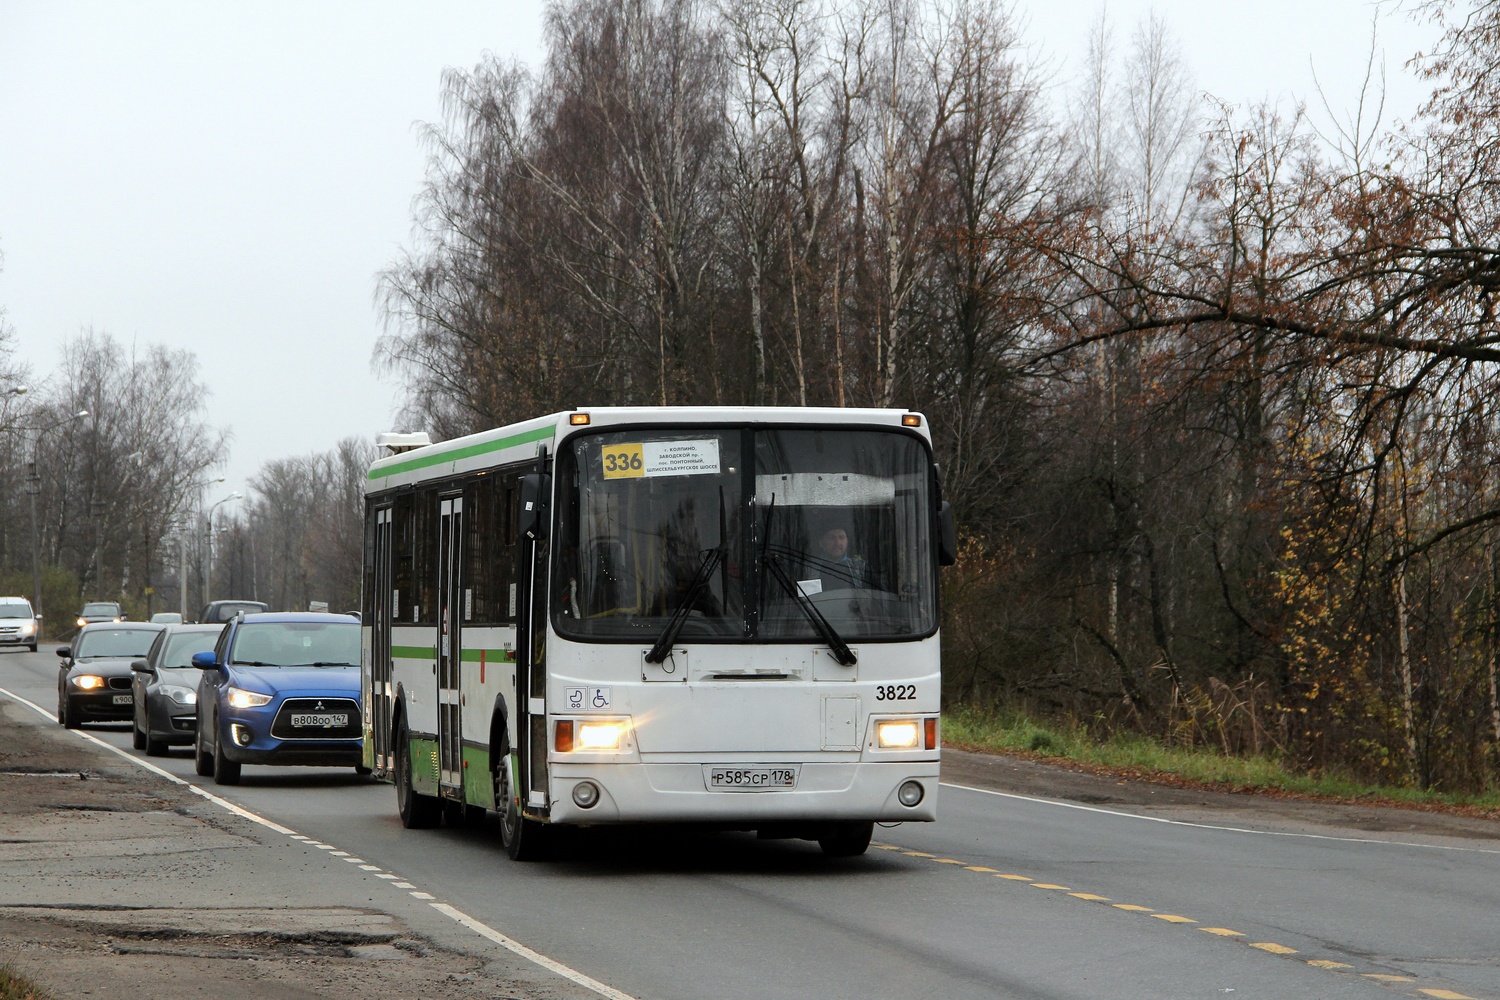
x: 532, y: 522
x: 947, y: 536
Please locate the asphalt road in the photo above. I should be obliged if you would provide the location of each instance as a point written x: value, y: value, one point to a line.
x: 1006, y: 896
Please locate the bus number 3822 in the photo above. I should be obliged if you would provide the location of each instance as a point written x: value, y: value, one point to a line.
x: 895, y: 692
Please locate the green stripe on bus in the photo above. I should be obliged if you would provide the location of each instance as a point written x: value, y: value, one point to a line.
x: 483, y: 448
x: 413, y: 652
x: 490, y: 655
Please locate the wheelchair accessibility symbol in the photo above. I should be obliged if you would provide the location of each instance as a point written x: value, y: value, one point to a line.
x: 593, y: 697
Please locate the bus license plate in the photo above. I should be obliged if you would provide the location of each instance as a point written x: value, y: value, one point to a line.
x: 124, y: 699
x: 750, y: 779
x: 320, y: 720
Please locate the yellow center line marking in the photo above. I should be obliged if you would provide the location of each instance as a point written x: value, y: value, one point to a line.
x: 1173, y: 918
x: 887, y: 847
x: 1273, y: 947
x: 947, y: 861
x: 1221, y: 931
x: 1445, y: 995
x: 1015, y: 878
x: 1090, y: 896
x: 1132, y: 907
x: 1389, y: 979
x: 977, y: 868
x: 918, y: 854
x: 1323, y: 963
x: 1048, y: 885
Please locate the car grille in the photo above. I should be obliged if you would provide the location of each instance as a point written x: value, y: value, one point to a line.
x: 120, y: 683
x: 283, y: 729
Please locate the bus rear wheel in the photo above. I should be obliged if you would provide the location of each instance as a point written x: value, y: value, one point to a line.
x: 847, y: 840
x: 418, y: 811
x: 523, y: 839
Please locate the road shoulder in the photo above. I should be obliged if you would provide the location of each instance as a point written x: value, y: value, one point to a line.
x: 114, y: 879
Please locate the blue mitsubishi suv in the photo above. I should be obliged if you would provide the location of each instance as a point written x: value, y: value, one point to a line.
x: 280, y: 688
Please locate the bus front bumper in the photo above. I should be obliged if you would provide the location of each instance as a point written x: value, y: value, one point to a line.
x: 680, y: 793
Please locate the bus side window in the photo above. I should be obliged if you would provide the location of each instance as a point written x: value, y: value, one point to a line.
x: 403, y: 549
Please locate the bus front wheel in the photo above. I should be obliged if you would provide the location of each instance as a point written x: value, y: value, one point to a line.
x: 524, y: 839
x: 847, y: 840
x: 418, y: 811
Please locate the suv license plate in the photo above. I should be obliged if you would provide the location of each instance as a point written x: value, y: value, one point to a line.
x: 320, y: 720
x: 750, y: 779
x: 124, y: 699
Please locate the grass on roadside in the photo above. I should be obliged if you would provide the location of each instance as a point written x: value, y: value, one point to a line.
x: 14, y: 986
x: 1135, y: 755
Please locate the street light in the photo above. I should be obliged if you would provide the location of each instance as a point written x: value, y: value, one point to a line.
x: 208, y: 554
x: 182, y: 537
x: 33, y: 487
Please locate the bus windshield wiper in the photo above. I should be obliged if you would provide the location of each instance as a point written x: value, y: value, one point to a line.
x: 663, y: 646
x: 831, y: 638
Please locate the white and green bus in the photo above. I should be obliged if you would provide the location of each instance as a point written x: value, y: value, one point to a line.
x: 717, y: 615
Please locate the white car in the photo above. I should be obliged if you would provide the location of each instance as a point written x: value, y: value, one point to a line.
x: 18, y: 623
x: 166, y: 618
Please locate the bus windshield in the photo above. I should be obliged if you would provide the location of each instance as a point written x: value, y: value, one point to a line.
x: 742, y: 534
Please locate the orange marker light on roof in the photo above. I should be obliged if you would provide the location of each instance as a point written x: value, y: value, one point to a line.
x: 578, y: 419
x: 912, y: 420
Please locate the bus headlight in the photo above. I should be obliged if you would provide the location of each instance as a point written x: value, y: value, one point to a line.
x: 600, y: 735
x: 897, y: 734
x: 590, y: 735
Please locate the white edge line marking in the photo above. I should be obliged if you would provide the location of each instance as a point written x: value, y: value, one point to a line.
x: 1225, y: 829
x: 216, y: 800
x: 483, y: 930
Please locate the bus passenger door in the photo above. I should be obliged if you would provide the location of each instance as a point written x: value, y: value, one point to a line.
x: 381, y: 705
x: 450, y: 646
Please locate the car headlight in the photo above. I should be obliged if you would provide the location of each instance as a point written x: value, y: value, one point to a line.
x: 28, y: 628
x: 182, y: 695
x: 82, y: 622
x: 240, y: 698
x: 88, y: 682
x: 897, y: 734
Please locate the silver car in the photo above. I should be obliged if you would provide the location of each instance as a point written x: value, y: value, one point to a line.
x: 165, y: 686
x: 18, y: 623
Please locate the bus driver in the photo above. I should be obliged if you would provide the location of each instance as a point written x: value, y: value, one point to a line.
x: 838, y: 568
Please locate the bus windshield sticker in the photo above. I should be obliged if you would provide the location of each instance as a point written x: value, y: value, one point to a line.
x: 660, y: 458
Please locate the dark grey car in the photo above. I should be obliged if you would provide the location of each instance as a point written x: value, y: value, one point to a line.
x: 165, y: 688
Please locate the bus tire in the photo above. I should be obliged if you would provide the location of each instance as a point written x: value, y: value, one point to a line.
x: 847, y: 840
x: 418, y: 811
x: 523, y: 839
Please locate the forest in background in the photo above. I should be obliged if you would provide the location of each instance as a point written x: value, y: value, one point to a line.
x: 109, y: 487
x: 1212, y: 387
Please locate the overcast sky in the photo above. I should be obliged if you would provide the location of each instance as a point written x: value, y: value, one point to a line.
x: 230, y: 177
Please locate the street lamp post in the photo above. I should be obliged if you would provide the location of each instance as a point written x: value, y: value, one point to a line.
x: 208, y: 554
x: 185, y: 531
x: 33, y: 487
